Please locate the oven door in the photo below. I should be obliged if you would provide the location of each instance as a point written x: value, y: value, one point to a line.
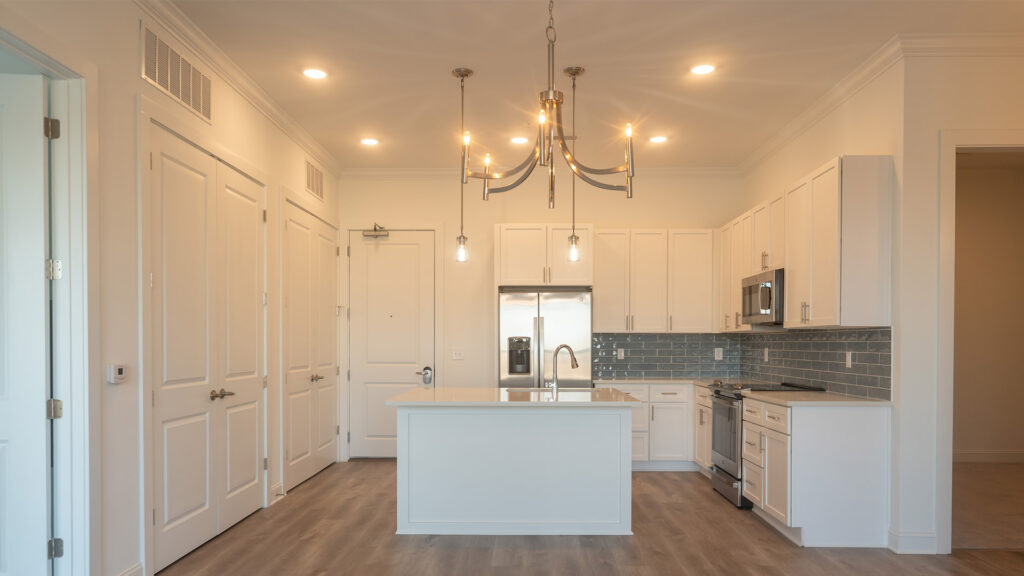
x: 726, y: 431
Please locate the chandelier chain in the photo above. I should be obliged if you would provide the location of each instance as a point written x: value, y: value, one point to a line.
x: 550, y: 31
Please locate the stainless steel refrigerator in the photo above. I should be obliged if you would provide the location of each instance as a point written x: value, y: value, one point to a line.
x: 531, y: 324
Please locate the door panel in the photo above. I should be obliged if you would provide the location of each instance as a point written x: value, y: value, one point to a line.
x: 825, y: 247
x: 798, y: 253
x: 562, y: 271
x: 24, y: 291
x: 184, y: 221
x: 648, y: 281
x: 325, y: 319
x: 611, y: 280
x: 690, y: 281
x: 523, y: 258
x: 392, y: 305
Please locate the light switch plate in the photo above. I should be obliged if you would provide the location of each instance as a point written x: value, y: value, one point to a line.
x: 458, y: 355
x: 765, y: 354
x: 849, y: 359
x: 718, y: 354
x: 621, y: 354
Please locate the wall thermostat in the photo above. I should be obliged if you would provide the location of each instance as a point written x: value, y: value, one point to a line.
x: 116, y: 373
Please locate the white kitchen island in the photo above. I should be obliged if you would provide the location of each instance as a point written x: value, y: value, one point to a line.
x: 514, y: 461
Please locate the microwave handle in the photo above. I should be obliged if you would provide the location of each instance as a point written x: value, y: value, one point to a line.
x: 765, y: 296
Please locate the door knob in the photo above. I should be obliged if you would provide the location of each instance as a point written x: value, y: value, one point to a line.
x: 224, y: 393
x: 215, y: 394
x: 428, y: 375
x: 316, y: 378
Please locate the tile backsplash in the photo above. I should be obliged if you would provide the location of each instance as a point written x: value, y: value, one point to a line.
x: 798, y: 356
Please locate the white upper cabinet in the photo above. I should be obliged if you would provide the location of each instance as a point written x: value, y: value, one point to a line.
x: 648, y: 281
x: 690, y: 281
x: 838, y: 245
x: 611, y: 281
x: 538, y: 255
x: 726, y: 304
x: 769, y: 235
x: 742, y: 266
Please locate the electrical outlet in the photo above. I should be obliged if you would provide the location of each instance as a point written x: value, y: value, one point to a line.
x: 458, y: 355
x: 849, y: 359
x: 620, y: 353
x: 718, y: 354
x: 765, y: 354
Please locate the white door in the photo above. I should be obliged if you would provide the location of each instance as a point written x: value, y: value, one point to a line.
x: 777, y: 233
x: 776, y: 475
x: 702, y: 455
x: 725, y: 278
x: 798, y: 254
x: 311, y: 323
x: 24, y: 328
x: 671, y: 431
x: 563, y: 272
x: 761, y: 235
x: 825, y: 233
x: 183, y: 260
x: 690, y: 281
x: 206, y: 263
x: 522, y: 258
x: 392, y: 331
x: 648, y: 281
x: 611, y: 281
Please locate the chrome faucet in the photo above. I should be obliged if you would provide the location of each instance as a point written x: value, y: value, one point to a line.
x: 554, y: 365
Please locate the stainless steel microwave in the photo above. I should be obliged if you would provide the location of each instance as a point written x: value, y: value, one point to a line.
x: 762, y: 298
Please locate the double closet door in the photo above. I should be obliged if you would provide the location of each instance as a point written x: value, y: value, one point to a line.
x: 206, y: 282
x: 311, y: 345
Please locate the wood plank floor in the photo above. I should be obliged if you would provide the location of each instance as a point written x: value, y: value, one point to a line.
x: 342, y: 521
x: 988, y: 505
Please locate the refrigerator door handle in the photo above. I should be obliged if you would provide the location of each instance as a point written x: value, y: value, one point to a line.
x: 540, y: 351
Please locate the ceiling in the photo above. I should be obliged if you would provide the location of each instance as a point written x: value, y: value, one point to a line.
x: 389, y: 69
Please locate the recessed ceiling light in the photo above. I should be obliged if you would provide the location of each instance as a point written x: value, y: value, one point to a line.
x: 519, y: 140
x: 659, y: 139
x: 369, y: 141
x: 703, y: 69
x: 314, y: 73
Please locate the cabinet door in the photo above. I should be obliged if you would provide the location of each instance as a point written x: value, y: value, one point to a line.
x: 702, y: 439
x: 725, y: 308
x: 753, y: 443
x: 640, y: 447
x: 824, y: 310
x: 777, y: 233
x: 522, y: 257
x: 611, y: 280
x: 671, y: 431
x: 690, y: 283
x: 762, y: 236
x: 741, y: 264
x: 648, y: 281
x: 753, y: 484
x: 561, y: 271
x: 798, y: 253
x: 776, y: 475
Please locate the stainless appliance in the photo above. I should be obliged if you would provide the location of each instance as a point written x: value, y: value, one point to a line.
x: 762, y: 298
x: 727, y: 433
x: 531, y: 324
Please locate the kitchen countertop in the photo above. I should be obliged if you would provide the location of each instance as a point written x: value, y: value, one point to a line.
x: 606, y: 382
x: 812, y: 398
x: 525, y: 397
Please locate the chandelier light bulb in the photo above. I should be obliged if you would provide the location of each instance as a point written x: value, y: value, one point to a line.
x: 574, y: 248
x: 629, y: 130
x: 465, y: 138
x: 461, y: 254
x: 487, y: 160
x: 543, y: 117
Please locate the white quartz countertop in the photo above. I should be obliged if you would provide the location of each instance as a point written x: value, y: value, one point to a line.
x: 605, y: 382
x: 812, y: 398
x: 526, y: 397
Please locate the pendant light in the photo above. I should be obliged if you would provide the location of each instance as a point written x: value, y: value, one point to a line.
x: 461, y: 253
x: 574, y: 240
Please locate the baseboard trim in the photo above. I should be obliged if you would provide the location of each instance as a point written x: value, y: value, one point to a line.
x: 794, y: 535
x: 135, y: 570
x: 992, y: 456
x: 913, y: 542
x: 665, y: 466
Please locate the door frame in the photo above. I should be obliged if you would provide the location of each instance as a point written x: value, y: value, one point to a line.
x: 152, y: 114
x: 950, y: 142
x: 345, y: 295
x: 75, y: 319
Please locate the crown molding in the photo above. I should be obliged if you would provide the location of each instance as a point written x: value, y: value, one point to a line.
x: 896, y: 49
x: 171, y: 18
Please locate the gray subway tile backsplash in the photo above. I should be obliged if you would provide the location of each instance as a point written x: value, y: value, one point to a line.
x: 799, y: 356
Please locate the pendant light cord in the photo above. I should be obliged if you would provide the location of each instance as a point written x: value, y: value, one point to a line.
x: 573, y: 145
x: 462, y: 131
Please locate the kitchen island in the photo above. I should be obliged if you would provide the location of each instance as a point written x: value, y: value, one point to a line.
x: 514, y: 461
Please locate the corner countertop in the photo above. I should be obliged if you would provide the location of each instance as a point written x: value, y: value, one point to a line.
x: 607, y: 382
x: 514, y: 397
x: 812, y: 398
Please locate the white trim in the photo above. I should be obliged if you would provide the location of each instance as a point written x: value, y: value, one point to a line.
x: 135, y: 570
x: 794, y: 535
x: 172, y: 19
x: 912, y: 542
x: 949, y: 142
x: 78, y: 245
x: 989, y: 456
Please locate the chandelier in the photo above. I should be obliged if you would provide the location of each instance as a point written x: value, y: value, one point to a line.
x: 550, y: 134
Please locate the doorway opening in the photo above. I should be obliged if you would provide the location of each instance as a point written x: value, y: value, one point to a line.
x: 988, y: 441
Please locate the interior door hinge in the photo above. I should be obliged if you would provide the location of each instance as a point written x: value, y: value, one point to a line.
x: 348, y: 437
x: 348, y: 314
x: 348, y: 251
x: 55, y: 548
x: 266, y: 463
x: 337, y: 311
x: 51, y: 128
x: 337, y: 250
x: 337, y: 430
x: 54, y: 269
x: 54, y: 409
x: 264, y: 214
x: 265, y: 381
x: 348, y: 375
x: 337, y: 370
x: 154, y: 516
x: 150, y: 160
x: 264, y: 298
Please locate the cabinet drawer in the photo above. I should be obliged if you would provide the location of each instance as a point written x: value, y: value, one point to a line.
x: 753, y: 483
x: 638, y: 391
x: 671, y: 392
x: 640, y: 446
x: 703, y: 395
x: 753, y: 443
x: 776, y: 418
x: 753, y: 411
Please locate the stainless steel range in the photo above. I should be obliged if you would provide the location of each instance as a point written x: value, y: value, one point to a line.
x: 727, y: 433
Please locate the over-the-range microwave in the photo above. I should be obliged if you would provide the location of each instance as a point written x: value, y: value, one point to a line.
x: 762, y: 298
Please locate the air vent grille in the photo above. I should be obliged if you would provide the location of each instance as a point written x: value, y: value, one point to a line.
x: 314, y: 180
x: 166, y: 68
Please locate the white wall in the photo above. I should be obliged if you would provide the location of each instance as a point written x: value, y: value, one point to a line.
x: 107, y: 35
x: 989, y: 328
x: 662, y: 199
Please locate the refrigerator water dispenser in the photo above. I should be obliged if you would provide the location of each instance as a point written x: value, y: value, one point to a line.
x: 519, y: 355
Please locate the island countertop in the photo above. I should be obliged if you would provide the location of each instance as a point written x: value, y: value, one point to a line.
x: 532, y: 397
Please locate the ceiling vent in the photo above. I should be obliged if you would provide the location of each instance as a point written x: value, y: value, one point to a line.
x: 314, y: 180
x: 175, y: 75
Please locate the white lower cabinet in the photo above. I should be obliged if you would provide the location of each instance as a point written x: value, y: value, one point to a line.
x: 663, y: 429
x: 702, y: 436
x: 753, y: 483
x: 776, y: 475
